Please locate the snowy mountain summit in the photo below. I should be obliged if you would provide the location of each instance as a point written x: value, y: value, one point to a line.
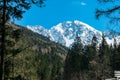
x: 65, y: 33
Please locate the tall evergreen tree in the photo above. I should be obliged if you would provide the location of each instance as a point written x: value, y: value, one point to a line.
x: 76, y: 62
x: 11, y: 9
x: 104, y: 59
x: 91, y: 50
x: 115, y: 57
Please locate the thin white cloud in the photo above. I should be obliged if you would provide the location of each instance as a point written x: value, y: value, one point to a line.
x: 83, y: 3
x: 78, y: 3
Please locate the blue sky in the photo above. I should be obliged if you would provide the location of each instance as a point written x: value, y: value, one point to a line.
x: 57, y: 11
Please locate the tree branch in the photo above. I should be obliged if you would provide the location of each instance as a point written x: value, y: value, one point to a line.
x: 106, y: 12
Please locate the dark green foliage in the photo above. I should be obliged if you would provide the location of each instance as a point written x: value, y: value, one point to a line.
x: 10, y: 51
x: 11, y: 9
x: 32, y: 56
x: 50, y: 67
x: 76, y: 62
x: 91, y: 62
x: 115, y: 58
x: 16, y: 8
x: 90, y: 51
x: 102, y: 49
x: 104, y: 60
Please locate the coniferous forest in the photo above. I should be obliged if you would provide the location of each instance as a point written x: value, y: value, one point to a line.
x: 25, y: 55
x: 30, y: 56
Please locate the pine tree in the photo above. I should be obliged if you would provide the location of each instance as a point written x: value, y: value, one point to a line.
x: 11, y: 9
x: 76, y: 62
x: 115, y: 57
x: 91, y: 50
x: 104, y: 59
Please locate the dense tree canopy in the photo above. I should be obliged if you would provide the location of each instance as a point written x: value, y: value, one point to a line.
x: 16, y: 8
x: 76, y: 62
x: 11, y: 9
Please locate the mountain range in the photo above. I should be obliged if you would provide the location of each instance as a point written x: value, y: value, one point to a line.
x: 32, y: 56
x: 65, y: 33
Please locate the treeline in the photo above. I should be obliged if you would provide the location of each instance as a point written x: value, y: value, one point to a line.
x: 92, y: 62
x: 29, y: 56
x: 11, y: 10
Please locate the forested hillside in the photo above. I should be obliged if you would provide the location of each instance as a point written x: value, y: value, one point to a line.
x: 30, y: 56
x: 92, y: 55
x: 92, y: 62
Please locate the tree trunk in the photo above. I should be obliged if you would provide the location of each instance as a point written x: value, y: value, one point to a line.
x: 2, y: 52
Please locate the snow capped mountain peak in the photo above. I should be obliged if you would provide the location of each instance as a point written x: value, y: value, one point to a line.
x: 83, y: 24
x: 65, y: 33
x: 58, y: 28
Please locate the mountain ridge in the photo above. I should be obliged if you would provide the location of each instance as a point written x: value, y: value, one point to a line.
x: 66, y: 32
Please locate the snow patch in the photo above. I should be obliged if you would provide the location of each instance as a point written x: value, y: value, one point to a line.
x: 59, y: 28
x: 66, y: 32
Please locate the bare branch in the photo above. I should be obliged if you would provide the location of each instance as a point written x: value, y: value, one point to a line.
x: 106, y: 12
x: 104, y: 1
